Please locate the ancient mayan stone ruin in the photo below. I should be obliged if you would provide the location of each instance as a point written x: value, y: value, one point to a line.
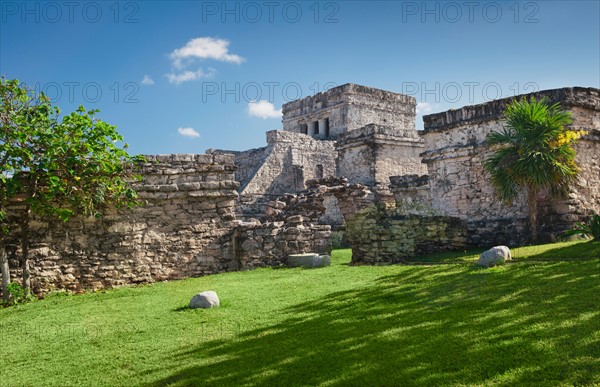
x: 368, y: 137
x: 347, y: 159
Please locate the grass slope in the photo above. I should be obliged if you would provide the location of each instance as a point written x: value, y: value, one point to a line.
x: 536, y: 321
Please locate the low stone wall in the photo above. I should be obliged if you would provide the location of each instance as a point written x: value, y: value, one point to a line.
x: 376, y: 233
x: 380, y: 235
x: 183, y: 230
x: 325, y: 201
x: 269, y: 244
x: 413, y: 197
x: 186, y: 228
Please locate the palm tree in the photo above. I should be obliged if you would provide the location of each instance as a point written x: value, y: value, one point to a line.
x: 534, y: 150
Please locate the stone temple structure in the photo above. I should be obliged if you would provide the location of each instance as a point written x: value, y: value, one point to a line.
x: 346, y: 108
x: 368, y: 136
x: 363, y: 134
x: 350, y: 158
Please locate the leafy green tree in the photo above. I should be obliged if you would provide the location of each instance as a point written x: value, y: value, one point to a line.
x: 534, y: 150
x: 57, y: 168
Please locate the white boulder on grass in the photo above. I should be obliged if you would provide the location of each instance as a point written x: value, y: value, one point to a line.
x: 205, y: 300
x: 308, y: 260
x: 495, y: 256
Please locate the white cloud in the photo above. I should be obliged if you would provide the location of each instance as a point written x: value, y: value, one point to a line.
x: 147, y: 81
x: 263, y: 109
x: 204, y: 48
x: 187, y: 76
x: 188, y: 132
x: 424, y: 108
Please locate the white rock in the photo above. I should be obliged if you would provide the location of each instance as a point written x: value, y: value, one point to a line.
x: 204, y: 300
x: 495, y: 256
x: 308, y: 260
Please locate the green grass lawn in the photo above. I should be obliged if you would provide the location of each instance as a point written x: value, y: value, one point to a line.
x: 535, y: 321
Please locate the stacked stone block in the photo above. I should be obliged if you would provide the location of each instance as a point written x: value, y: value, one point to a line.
x: 459, y: 186
x: 379, y: 235
x: 269, y: 244
x: 182, y: 230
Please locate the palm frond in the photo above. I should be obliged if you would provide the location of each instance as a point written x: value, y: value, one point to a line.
x: 534, y: 149
x: 502, y: 137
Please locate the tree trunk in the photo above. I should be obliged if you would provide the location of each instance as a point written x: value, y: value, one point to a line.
x: 25, y: 251
x: 533, y: 212
x: 5, y: 273
x: 32, y: 187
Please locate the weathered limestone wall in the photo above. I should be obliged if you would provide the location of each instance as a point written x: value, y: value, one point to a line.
x: 380, y: 235
x: 585, y: 195
x: 412, y: 195
x: 458, y: 183
x: 459, y: 186
x: 186, y: 228
x: 300, y: 223
x: 376, y: 233
x: 292, y: 159
x: 247, y: 162
x: 247, y: 165
x: 325, y: 201
x: 269, y: 244
x: 349, y: 107
x: 283, y: 166
x: 370, y: 155
x: 182, y: 231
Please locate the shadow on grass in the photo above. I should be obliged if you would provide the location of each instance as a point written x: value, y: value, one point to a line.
x: 577, y: 251
x: 426, y: 326
x: 574, y: 252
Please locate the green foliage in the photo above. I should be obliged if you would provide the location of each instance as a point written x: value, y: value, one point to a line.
x: 58, y: 167
x: 18, y: 295
x: 590, y: 228
x: 67, y: 166
x: 534, y: 149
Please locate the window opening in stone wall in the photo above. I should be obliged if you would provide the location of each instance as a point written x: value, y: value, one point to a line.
x: 298, y: 174
x: 316, y: 125
x: 303, y: 128
x: 319, y: 173
x: 326, y: 127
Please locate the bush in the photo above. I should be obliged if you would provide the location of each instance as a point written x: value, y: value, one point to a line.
x: 590, y: 228
x: 18, y: 295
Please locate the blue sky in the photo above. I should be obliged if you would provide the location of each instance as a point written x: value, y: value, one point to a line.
x: 184, y: 76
